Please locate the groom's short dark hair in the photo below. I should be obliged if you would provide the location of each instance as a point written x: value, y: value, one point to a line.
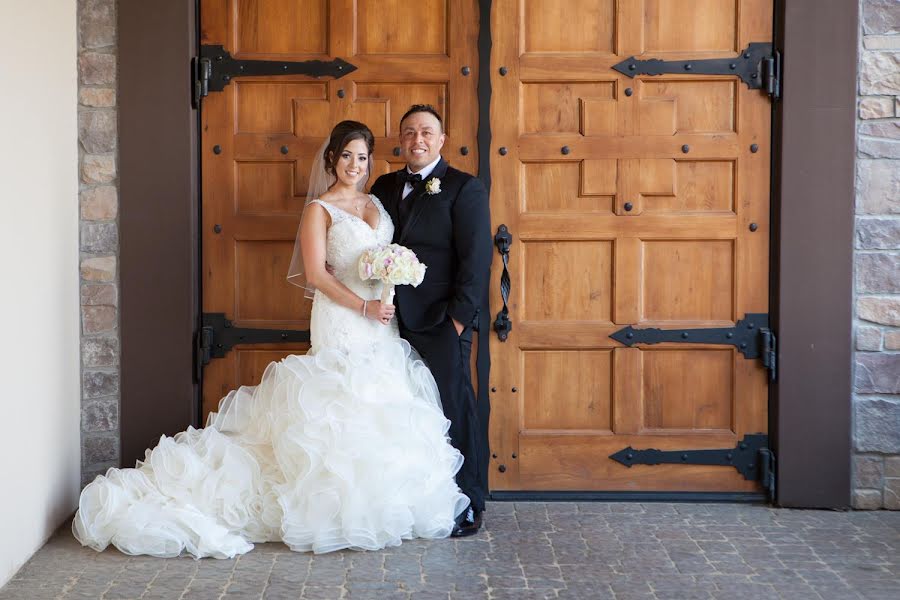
x: 426, y: 108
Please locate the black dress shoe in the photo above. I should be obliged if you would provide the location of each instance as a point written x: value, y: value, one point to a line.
x: 468, y: 524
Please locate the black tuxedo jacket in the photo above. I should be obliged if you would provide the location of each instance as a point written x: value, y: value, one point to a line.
x: 451, y: 233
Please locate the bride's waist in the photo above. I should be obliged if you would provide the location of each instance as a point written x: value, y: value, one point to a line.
x: 367, y: 290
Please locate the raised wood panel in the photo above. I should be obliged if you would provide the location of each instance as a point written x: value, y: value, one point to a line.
x: 675, y: 397
x: 402, y: 26
x: 311, y: 118
x: 688, y: 280
x: 262, y: 290
x: 281, y: 26
x: 690, y: 25
x: 268, y: 188
x: 567, y: 280
x: 269, y: 107
x: 687, y: 106
x: 548, y: 28
x: 554, y: 400
x: 673, y: 186
x: 550, y: 107
x: 588, y: 186
x: 598, y: 177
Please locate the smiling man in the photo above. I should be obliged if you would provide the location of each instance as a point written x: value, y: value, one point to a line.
x: 443, y: 215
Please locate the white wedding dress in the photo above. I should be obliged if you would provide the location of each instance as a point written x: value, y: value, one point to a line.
x: 344, y: 447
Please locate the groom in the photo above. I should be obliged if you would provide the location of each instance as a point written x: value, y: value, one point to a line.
x: 443, y: 216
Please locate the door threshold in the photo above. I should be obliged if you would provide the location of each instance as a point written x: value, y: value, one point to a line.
x: 612, y: 496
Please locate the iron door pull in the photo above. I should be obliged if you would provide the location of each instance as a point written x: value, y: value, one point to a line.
x: 503, y: 324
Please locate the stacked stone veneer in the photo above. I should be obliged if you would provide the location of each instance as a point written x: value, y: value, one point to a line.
x: 99, y: 201
x: 876, y: 403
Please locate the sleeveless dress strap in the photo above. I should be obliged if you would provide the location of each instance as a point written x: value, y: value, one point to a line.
x: 334, y: 212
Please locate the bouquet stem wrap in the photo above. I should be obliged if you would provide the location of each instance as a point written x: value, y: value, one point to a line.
x: 387, y: 293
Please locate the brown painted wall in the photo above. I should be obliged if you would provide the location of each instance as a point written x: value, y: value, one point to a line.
x: 158, y: 221
x: 813, y: 268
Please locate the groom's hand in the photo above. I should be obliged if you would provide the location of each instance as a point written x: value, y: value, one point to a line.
x: 458, y: 325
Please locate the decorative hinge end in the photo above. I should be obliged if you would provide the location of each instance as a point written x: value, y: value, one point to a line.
x: 772, y: 74
x: 769, y: 344
x: 767, y: 472
x: 201, y: 67
x: 625, y: 456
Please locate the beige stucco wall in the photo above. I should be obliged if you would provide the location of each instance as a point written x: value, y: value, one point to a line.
x: 40, y: 447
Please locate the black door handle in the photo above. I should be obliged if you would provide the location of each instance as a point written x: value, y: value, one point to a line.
x: 503, y: 324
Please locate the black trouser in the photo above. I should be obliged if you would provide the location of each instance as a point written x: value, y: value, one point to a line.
x: 447, y: 355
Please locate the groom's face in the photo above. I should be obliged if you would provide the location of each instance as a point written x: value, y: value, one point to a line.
x: 421, y: 140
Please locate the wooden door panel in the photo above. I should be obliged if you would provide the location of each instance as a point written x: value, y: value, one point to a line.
x: 264, y: 27
x: 687, y: 280
x: 566, y: 280
x: 388, y: 27
x: 687, y: 390
x: 554, y: 187
x: 558, y: 462
x: 630, y: 202
x: 266, y: 131
x: 690, y: 26
x: 545, y: 28
x: 588, y: 400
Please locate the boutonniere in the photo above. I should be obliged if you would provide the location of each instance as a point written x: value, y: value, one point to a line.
x: 433, y: 186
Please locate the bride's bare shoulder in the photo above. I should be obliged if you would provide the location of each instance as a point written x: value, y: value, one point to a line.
x: 327, y: 196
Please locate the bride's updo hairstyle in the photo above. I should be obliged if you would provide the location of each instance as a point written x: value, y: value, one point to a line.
x: 342, y: 134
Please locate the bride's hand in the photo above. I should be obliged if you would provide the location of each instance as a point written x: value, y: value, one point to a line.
x: 383, y: 313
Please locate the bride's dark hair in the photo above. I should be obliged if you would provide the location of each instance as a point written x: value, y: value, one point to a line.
x: 342, y: 134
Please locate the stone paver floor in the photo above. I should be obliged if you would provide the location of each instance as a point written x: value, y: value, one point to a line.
x: 527, y: 551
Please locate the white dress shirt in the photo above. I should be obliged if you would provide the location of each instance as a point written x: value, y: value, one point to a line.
x: 425, y: 172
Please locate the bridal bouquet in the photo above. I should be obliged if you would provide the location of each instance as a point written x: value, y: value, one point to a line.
x: 393, y: 265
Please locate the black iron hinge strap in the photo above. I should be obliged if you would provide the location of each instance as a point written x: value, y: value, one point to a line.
x: 751, y: 337
x: 744, y: 456
x: 215, y: 68
x: 217, y: 336
x: 758, y: 66
x: 752, y: 458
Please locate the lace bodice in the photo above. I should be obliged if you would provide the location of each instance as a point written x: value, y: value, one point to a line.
x: 348, y: 236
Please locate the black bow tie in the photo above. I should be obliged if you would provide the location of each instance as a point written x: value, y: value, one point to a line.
x: 410, y: 178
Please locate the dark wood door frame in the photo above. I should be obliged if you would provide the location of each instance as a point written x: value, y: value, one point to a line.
x: 812, y: 232
x: 158, y: 221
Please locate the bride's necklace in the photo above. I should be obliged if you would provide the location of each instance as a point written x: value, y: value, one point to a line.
x: 358, y: 207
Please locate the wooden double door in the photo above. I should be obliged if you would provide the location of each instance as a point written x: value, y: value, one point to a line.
x: 632, y: 200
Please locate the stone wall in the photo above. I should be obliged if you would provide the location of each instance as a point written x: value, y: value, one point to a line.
x: 876, y: 430
x: 98, y: 197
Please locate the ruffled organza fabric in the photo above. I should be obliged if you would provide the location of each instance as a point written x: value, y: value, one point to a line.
x: 345, y: 447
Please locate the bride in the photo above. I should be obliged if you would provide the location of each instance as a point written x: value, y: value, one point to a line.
x: 344, y: 447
